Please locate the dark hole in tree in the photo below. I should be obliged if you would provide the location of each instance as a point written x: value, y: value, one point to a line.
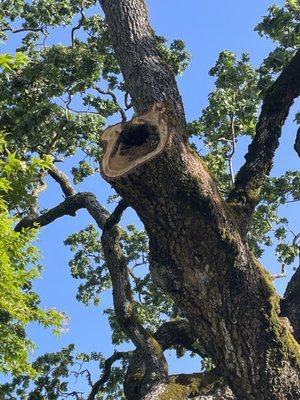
x: 137, y: 140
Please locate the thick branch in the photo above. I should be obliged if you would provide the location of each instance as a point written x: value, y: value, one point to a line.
x: 259, y: 159
x: 148, y: 78
x: 68, y: 207
x: 290, y: 304
x: 156, y: 367
x: 177, y: 333
x: 62, y: 180
x: 200, y: 386
x: 152, y: 353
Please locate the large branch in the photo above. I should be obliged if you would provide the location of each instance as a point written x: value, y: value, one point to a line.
x: 156, y: 370
x: 200, y: 386
x: 259, y: 159
x: 68, y: 207
x: 290, y: 304
x: 148, y: 78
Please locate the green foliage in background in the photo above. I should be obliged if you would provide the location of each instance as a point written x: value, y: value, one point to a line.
x: 55, y: 100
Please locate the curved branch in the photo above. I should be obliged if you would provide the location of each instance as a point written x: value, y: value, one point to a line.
x: 68, y: 207
x: 80, y: 22
x: 118, y: 355
x: 156, y: 366
x: 147, y: 346
x: 62, y: 180
x: 259, y: 159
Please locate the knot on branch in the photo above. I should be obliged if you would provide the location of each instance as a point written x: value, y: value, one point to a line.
x: 131, y: 144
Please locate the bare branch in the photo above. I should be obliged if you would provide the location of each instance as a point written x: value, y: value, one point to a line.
x: 115, y: 216
x: 40, y: 29
x: 68, y: 207
x: 147, y: 346
x: 259, y: 159
x: 115, y: 100
x: 106, y: 373
x: 117, y: 264
x: 62, y: 180
x: 297, y: 142
x: 80, y: 22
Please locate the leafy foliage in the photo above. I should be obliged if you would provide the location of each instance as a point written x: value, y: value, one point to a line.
x: 55, y: 100
x: 19, y: 304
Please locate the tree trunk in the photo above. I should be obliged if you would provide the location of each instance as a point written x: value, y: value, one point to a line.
x: 197, y: 252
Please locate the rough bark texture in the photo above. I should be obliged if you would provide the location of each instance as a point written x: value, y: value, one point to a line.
x: 197, y: 249
x: 147, y: 372
x: 290, y: 304
x: 148, y: 79
x: 199, y: 258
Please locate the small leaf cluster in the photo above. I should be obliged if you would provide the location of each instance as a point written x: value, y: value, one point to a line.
x: 88, y: 264
x: 282, y: 25
x: 176, y: 55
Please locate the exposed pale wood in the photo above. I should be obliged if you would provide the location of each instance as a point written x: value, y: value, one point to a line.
x: 114, y: 162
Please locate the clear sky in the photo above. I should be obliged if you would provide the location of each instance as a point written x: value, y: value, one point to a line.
x: 207, y: 27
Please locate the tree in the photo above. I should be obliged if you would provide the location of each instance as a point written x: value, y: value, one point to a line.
x: 205, y: 225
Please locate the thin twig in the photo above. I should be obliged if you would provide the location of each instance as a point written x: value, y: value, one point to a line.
x: 80, y: 22
x: 106, y: 373
x: 115, y: 100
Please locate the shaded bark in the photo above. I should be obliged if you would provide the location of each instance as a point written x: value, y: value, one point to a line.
x: 297, y: 142
x: 290, y: 304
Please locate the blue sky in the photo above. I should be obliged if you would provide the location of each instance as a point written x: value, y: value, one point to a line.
x: 207, y: 28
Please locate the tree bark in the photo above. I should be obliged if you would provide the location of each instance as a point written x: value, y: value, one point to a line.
x: 199, y: 257
x: 290, y: 304
x: 198, y: 253
x: 148, y: 78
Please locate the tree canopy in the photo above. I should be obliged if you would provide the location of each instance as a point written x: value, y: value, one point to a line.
x: 70, y: 77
